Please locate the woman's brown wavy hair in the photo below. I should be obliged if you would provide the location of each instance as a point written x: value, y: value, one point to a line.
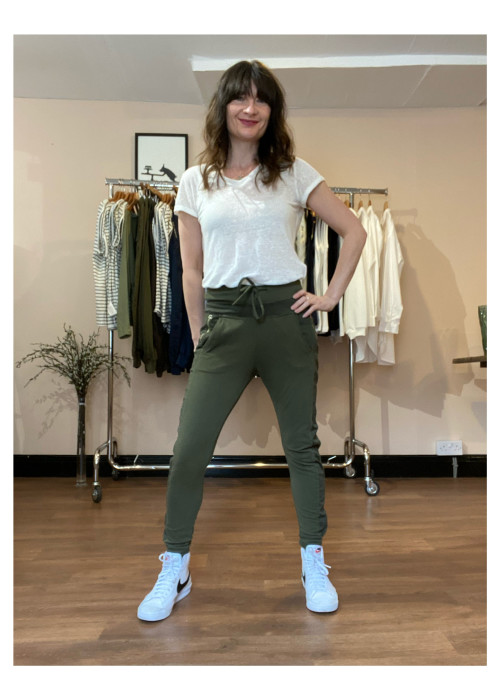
x: 276, y: 148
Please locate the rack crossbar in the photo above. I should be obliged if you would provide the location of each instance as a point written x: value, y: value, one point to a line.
x: 359, y: 190
x: 137, y: 183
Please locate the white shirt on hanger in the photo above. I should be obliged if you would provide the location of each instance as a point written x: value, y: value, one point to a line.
x: 358, y: 307
x: 367, y: 345
x: 391, y: 304
x: 300, y: 246
x: 321, y: 270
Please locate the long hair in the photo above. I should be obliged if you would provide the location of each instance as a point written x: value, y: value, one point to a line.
x: 276, y: 148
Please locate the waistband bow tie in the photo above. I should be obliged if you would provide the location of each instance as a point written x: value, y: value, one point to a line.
x: 250, y: 293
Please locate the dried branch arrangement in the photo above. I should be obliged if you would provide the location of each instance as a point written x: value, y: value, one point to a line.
x: 79, y: 362
x: 76, y: 360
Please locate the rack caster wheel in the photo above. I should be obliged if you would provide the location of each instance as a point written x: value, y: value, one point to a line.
x: 115, y: 474
x: 97, y: 494
x: 350, y: 472
x: 372, y: 488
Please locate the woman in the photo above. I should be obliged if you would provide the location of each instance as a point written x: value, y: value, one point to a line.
x: 239, y: 213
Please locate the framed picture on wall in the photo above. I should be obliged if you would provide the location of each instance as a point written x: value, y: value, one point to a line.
x: 160, y: 157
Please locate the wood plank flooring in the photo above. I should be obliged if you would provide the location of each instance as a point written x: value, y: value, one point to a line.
x: 409, y: 566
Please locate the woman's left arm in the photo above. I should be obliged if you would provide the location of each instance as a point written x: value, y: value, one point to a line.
x: 334, y: 213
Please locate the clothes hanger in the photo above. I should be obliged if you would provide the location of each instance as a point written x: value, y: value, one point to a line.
x: 120, y: 194
x: 153, y: 192
x: 116, y: 196
x: 133, y: 202
x: 146, y: 190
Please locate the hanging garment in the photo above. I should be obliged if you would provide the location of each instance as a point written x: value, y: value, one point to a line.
x: 138, y: 290
x: 309, y: 250
x: 162, y: 229
x: 321, y: 280
x: 357, y: 307
x: 310, y: 256
x: 300, y: 246
x: 99, y: 265
x: 127, y: 275
x: 160, y: 335
x: 372, y: 301
x: 106, y: 260
x: 369, y: 261
x: 367, y: 345
x: 333, y: 256
x: 143, y: 349
x: 391, y: 304
x: 305, y: 247
x: 180, y: 341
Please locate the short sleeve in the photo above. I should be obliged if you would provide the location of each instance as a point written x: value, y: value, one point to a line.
x: 306, y: 179
x: 187, y: 195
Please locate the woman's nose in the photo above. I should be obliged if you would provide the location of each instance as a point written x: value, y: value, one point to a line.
x: 250, y: 105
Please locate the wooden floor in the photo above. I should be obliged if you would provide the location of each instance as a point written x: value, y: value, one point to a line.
x: 409, y: 566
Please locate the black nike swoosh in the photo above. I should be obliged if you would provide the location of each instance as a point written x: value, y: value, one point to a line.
x: 304, y: 577
x: 180, y: 585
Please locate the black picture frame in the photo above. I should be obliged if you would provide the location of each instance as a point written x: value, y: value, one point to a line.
x: 160, y: 157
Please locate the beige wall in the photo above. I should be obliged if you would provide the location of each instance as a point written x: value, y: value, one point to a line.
x: 432, y: 161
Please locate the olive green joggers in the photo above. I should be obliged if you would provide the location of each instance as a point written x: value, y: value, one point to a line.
x: 249, y: 330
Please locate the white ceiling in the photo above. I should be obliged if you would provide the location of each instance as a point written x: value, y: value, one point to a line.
x: 317, y: 71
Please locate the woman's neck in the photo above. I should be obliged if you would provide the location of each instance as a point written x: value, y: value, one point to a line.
x: 242, y: 155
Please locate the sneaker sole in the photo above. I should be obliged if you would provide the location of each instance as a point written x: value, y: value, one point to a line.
x: 163, y: 615
x: 326, y: 609
x: 332, y: 607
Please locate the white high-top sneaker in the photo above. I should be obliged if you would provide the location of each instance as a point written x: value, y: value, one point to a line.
x: 321, y: 595
x: 173, y: 584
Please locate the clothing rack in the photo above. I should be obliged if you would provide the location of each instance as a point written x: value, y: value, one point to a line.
x: 350, y: 443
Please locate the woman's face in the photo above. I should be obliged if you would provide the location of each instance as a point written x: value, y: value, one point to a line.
x: 247, y: 117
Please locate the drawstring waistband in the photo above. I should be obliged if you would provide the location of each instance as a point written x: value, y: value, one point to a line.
x: 250, y: 291
x: 249, y: 299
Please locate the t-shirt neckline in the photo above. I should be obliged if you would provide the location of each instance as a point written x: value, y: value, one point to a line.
x: 242, y: 179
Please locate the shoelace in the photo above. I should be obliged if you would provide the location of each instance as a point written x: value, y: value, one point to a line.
x: 168, y: 575
x: 316, y: 572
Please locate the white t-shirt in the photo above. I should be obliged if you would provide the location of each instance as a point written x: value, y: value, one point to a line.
x: 249, y: 230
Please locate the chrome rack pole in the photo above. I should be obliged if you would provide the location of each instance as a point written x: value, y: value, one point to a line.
x: 351, y: 191
x: 158, y: 184
x: 111, y: 442
x: 110, y: 445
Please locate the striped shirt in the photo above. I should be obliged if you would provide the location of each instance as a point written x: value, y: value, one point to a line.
x: 162, y: 228
x: 106, y: 260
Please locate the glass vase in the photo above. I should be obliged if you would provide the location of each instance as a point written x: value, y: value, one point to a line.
x: 81, y: 468
x: 483, y: 323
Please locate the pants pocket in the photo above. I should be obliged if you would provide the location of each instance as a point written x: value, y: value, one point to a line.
x: 308, y: 332
x: 207, y: 332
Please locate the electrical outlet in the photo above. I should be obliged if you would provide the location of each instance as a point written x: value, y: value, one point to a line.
x: 449, y: 447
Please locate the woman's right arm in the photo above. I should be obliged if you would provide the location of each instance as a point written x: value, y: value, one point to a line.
x: 192, y: 271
